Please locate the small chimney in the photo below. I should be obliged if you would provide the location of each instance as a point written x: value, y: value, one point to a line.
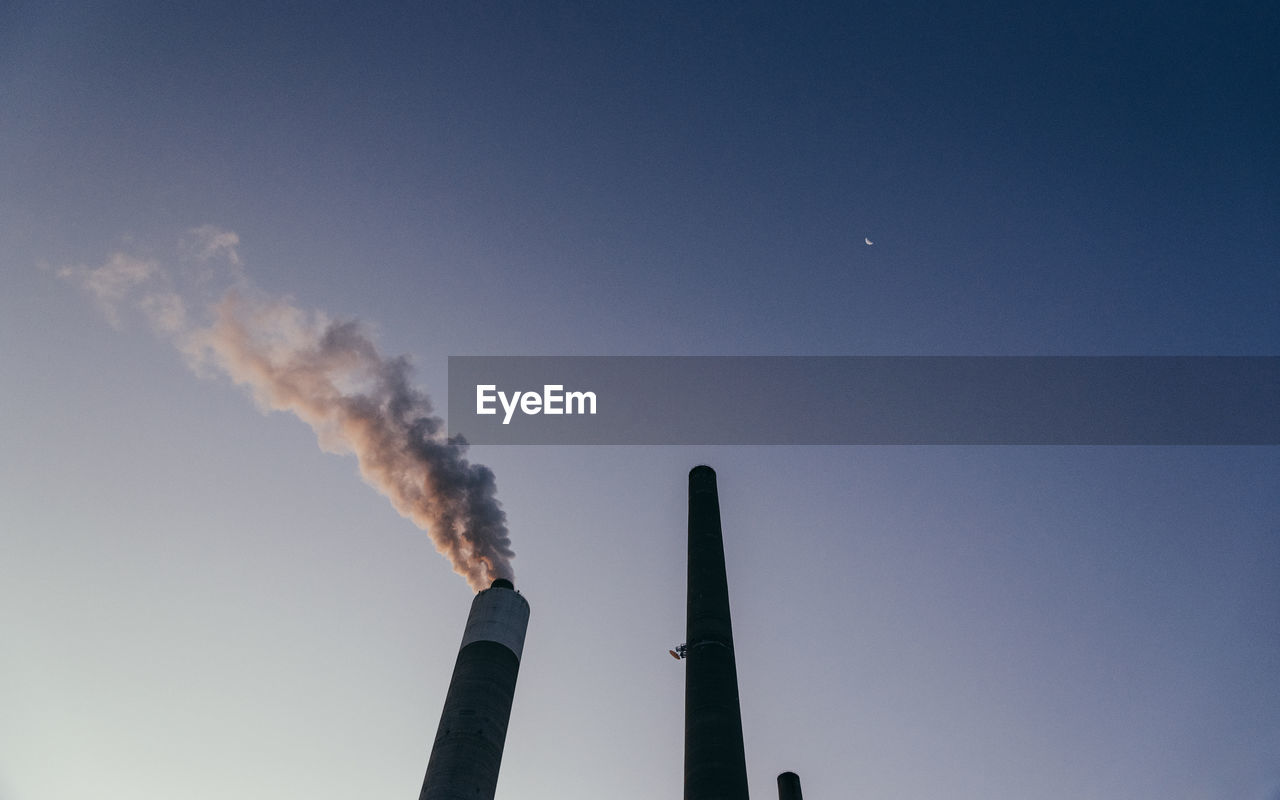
x: 789, y: 787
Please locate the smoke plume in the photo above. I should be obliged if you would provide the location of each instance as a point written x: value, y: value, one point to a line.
x: 329, y: 374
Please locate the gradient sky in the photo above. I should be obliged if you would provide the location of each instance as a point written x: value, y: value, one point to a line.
x: 196, y: 602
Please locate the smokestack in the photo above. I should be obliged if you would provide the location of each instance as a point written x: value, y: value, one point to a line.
x: 789, y: 787
x: 715, y: 764
x: 473, y: 725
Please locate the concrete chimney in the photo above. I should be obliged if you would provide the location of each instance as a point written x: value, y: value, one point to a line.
x: 715, y: 765
x: 789, y: 787
x: 473, y: 725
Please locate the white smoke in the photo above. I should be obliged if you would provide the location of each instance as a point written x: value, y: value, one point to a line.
x: 329, y: 374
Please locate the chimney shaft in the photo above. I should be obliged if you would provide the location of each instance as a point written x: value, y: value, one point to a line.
x: 714, y: 759
x: 468, y: 746
x: 789, y: 787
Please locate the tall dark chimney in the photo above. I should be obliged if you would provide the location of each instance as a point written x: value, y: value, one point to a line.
x: 789, y: 787
x: 473, y: 725
x: 715, y: 764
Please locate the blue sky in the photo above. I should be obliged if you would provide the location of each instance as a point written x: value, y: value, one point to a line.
x: 196, y: 601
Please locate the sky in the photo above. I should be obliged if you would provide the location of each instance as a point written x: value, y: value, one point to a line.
x: 197, y: 601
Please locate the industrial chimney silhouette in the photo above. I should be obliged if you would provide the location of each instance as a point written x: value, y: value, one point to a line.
x: 473, y: 725
x: 715, y: 764
x: 789, y: 787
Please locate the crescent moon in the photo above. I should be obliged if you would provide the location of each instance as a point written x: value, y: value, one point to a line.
x: 868, y: 241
